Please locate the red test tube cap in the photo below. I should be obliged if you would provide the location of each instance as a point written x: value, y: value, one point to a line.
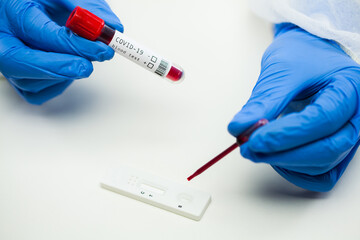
x: 85, y: 24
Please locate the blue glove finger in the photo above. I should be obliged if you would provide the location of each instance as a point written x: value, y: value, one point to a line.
x: 31, y: 71
x: 37, y: 30
x: 101, y: 9
x: 268, y: 99
x: 333, y: 107
x: 46, y: 94
x: 98, y: 7
x: 314, y: 158
x: 318, y: 183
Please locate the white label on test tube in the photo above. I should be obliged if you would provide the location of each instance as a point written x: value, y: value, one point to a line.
x: 140, y: 55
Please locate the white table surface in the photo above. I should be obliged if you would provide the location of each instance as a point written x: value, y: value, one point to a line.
x: 52, y: 156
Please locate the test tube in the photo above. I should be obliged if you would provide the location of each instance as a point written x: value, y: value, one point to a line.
x: 89, y: 26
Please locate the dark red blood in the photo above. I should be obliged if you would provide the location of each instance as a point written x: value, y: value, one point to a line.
x: 174, y: 74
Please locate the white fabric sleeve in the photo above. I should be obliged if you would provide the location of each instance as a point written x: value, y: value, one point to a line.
x: 338, y: 20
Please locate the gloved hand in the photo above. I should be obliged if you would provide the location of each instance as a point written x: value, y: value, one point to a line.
x: 310, y: 147
x: 38, y: 55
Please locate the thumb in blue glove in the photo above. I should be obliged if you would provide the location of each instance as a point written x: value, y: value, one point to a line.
x: 310, y: 147
x: 39, y: 56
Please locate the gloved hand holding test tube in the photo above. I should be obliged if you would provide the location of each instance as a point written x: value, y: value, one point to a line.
x: 89, y: 26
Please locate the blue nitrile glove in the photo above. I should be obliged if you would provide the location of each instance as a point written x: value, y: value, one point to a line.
x: 310, y: 147
x: 38, y: 55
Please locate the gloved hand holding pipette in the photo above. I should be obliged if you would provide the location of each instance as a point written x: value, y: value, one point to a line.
x: 310, y: 147
x: 39, y: 56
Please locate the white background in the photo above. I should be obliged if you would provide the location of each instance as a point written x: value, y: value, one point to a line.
x: 52, y: 156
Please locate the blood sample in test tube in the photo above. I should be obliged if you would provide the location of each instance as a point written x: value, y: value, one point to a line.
x: 89, y: 26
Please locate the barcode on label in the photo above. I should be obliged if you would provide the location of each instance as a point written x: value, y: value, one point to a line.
x: 161, y: 70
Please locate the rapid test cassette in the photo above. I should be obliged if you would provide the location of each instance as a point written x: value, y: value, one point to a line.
x: 157, y: 191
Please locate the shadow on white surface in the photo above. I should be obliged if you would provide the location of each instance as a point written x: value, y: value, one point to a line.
x: 74, y: 101
x: 276, y: 188
x: 270, y: 187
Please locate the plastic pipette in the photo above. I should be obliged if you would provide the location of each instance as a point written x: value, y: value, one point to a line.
x: 241, y: 139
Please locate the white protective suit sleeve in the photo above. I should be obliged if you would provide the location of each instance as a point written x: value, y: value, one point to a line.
x: 338, y: 20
